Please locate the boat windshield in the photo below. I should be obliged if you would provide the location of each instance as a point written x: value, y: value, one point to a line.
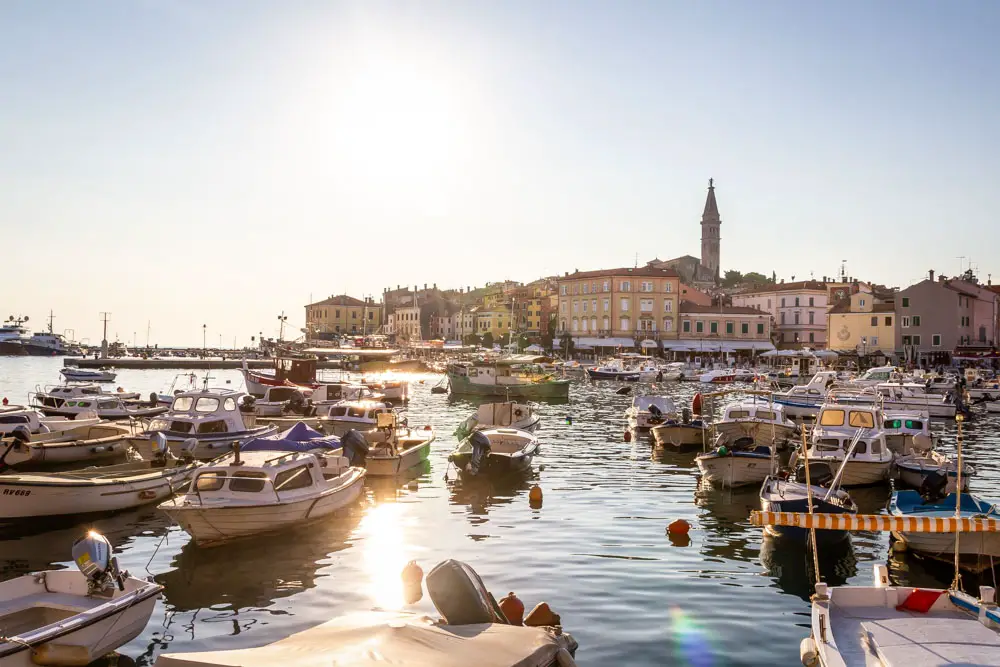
x: 206, y: 404
x: 832, y: 418
x: 182, y: 404
x: 862, y: 419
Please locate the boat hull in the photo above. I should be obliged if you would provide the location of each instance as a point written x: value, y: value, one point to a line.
x: 734, y: 469
x: 389, y: 466
x: 39, y: 455
x: 914, y: 476
x: 796, y: 534
x: 12, y: 349
x: 763, y: 433
x: 493, y: 465
x: 617, y: 376
x: 680, y: 437
x: 208, y: 447
x: 43, y: 351
x: 214, y: 525
x: 460, y: 385
x: 858, y: 473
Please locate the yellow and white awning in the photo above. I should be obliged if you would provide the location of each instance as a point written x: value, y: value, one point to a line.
x: 875, y: 522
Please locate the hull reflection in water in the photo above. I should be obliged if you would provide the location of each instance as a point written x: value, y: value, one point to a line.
x: 256, y: 572
x: 481, y: 493
x: 790, y: 564
x: 389, y: 489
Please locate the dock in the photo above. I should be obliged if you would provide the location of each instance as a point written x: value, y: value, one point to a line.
x: 194, y: 363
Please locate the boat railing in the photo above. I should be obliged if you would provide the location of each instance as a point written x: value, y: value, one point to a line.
x: 194, y: 484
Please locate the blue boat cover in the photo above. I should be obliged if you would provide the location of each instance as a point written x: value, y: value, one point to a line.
x: 910, y: 503
x: 299, y: 438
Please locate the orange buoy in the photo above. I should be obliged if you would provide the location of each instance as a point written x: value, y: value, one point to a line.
x: 628, y: 435
x: 696, y: 404
x: 678, y: 527
x: 542, y: 615
x: 5, y: 401
x: 535, y: 494
x: 513, y: 609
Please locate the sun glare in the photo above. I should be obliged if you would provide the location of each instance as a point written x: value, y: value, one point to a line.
x: 385, y: 554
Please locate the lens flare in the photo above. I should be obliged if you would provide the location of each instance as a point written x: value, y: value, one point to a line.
x: 691, y: 646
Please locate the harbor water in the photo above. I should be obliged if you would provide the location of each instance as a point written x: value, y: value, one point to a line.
x: 597, y: 549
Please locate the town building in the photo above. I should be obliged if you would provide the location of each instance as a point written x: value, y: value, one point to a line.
x: 799, y: 310
x: 728, y: 329
x: 863, y: 323
x: 342, y: 314
x: 625, y: 303
x: 495, y: 321
x: 407, y: 323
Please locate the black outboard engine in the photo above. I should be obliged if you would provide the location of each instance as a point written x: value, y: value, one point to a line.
x: 355, y: 447
x: 460, y: 596
x: 655, y: 413
x: 481, y: 448
x: 158, y: 444
x: 685, y: 415
x: 934, y: 487
x: 246, y: 405
x: 153, y: 398
x: 297, y: 403
x: 819, y: 474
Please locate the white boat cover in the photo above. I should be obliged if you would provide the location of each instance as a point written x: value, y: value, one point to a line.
x: 385, y: 638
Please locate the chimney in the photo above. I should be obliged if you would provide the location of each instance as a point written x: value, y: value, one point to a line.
x: 931, y: 274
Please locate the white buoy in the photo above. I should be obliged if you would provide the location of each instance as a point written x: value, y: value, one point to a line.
x: 808, y: 653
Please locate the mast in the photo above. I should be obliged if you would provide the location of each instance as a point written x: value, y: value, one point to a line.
x: 52, y: 317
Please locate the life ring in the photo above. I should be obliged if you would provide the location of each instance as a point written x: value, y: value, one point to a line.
x: 518, y: 413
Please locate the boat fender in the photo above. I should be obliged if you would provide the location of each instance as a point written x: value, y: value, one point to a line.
x: 513, y: 609
x: 542, y: 615
x: 413, y: 578
x: 564, y: 658
x: 696, y: 404
x: 723, y: 451
x: 62, y: 655
x: 808, y: 653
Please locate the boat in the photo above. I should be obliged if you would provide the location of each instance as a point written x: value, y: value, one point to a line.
x: 397, y: 391
x: 790, y: 495
x: 41, y: 428
x: 615, y: 370
x: 263, y: 488
x: 508, y: 377
x: 289, y: 370
x: 74, y: 374
x: 98, y: 442
x: 356, y: 415
x: 210, y: 416
x: 27, y: 496
x: 762, y: 421
x: 67, y: 617
x: 852, y: 432
x: 675, y: 370
x: 500, y: 415
x: 736, y: 462
x: 46, y: 344
x: 992, y: 406
x: 804, y: 400
x: 914, y: 470
x: 907, y: 432
x: 471, y: 630
x: 276, y: 401
x: 13, y: 336
x: 649, y: 411
x: 976, y: 549
x: 681, y: 435
x: 389, y: 449
x: 85, y: 400
x: 495, y: 451
x: 718, y: 376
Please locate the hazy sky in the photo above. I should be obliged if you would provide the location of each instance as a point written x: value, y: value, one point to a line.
x: 209, y: 162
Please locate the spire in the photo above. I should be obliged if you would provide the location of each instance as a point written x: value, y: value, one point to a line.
x: 711, y: 208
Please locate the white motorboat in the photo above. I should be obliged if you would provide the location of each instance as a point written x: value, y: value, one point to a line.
x: 95, y: 489
x: 907, y: 432
x: 500, y: 415
x: 390, y: 449
x: 76, y: 401
x: 263, y: 490
x: 42, y: 428
x: 356, y: 415
x: 75, y: 374
x: 914, y: 469
x: 855, y: 433
x: 736, y: 463
x: 675, y: 370
x: 649, y: 411
x: 13, y: 336
x: 682, y: 435
x: 277, y: 400
x: 763, y: 421
x: 614, y: 369
x: 396, y: 391
x: 804, y: 400
x: 62, y: 617
x: 718, y: 376
x: 978, y: 549
x: 211, y: 417
x: 495, y: 451
x: 97, y: 443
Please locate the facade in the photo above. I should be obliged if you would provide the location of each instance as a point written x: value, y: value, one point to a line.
x: 445, y: 327
x: 862, y: 323
x: 722, y: 328
x: 342, y: 315
x: 495, y: 321
x: 695, y: 295
x: 799, y: 310
x: 633, y: 303
x: 407, y: 323
x: 465, y: 322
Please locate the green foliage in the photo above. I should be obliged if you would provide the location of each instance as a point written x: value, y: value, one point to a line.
x: 732, y: 278
x: 488, y: 339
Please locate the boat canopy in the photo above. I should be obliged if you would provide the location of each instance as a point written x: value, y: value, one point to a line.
x: 299, y: 438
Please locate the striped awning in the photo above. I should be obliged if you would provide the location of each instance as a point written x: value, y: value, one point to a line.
x: 875, y: 522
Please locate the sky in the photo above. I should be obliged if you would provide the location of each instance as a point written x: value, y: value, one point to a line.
x: 181, y: 163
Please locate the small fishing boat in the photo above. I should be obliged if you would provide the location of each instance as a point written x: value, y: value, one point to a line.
x: 96, y: 489
x: 649, y: 411
x: 97, y: 443
x: 718, y: 376
x: 518, y: 376
x: 62, y: 617
x: 854, y: 433
x: 914, y: 470
x: 390, y: 449
x: 74, y: 374
x: 907, y: 432
x: 786, y: 495
x: 762, y: 421
x: 675, y: 371
x: 263, y: 490
x: 289, y: 371
x: 86, y: 401
x: 42, y: 428
x: 615, y: 370
x: 356, y: 415
x: 211, y: 417
x: 736, y: 463
x: 500, y: 415
x: 681, y: 435
x: 497, y: 451
x: 976, y: 549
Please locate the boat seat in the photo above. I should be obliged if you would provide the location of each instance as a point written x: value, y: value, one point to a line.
x: 923, y: 639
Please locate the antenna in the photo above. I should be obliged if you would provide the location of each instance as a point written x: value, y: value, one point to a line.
x: 961, y: 263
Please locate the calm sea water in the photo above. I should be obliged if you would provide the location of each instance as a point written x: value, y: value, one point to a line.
x: 597, y: 550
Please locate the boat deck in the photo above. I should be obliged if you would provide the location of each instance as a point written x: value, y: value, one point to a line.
x: 904, y: 638
x: 27, y: 613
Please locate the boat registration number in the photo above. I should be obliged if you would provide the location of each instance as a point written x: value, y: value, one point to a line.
x: 16, y: 492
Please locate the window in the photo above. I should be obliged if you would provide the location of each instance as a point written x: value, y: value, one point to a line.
x: 782, y: 318
x: 586, y: 288
x: 811, y: 317
x: 371, y: 315
x: 760, y: 328
x: 873, y: 340
x: 906, y: 302
x: 888, y: 321
x: 831, y: 418
x: 576, y: 324
x: 811, y: 301
x: 230, y: 404
x: 626, y: 286
x: 562, y: 307
x: 916, y: 340
x: 593, y: 306
x: 861, y: 419
x: 576, y: 306
x: 562, y: 290
x: 905, y: 322
x: 583, y: 324
x: 206, y: 404
x: 699, y: 327
x: 645, y: 305
x: 906, y: 340
x: 916, y: 320
x: 796, y: 317
x: 686, y: 326
x: 182, y: 404
x: 605, y: 286
x: 745, y: 328
x: 713, y: 327
x: 646, y: 287
x: 782, y: 302
x: 606, y: 305
x: 668, y: 287
x: 606, y: 323
x: 625, y: 324
x: 875, y: 321
x: 584, y: 305
x: 861, y: 302
x: 668, y: 306
x: 336, y: 313
x: 210, y: 481
x: 768, y: 304
x: 668, y: 324
x: 247, y: 482
x: 730, y: 328
x: 593, y: 324
x: 936, y: 340
x: 623, y: 305
x: 796, y: 301
x: 294, y: 478
x: 812, y: 337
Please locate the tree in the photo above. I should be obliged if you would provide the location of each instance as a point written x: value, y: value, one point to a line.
x: 488, y: 339
x: 732, y: 278
x: 754, y: 278
x: 470, y: 339
x: 522, y: 342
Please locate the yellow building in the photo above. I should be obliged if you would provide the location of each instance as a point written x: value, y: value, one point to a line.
x: 639, y: 302
x: 862, y: 324
x: 343, y: 314
x: 496, y: 321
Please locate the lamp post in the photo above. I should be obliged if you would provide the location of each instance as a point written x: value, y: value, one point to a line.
x: 281, y: 326
x: 864, y: 347
x: 204, y: 340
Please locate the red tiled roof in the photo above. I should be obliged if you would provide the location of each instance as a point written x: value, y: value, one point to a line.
x: 787, y: 287
x: 693, y: 308
x: 642, y: 271
x: 342, y: 300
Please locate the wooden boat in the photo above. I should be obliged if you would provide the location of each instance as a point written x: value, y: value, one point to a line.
x: 614, y: 370
x: 263, y: 490
x: 211, y: 417
x: 854, y: 432
x: 100, y: 442
x: 681, y: 435
x: 390, y: 449
x: 509, y: 377
x: 62, y: 617
x: 295, y: 371
x: 762, y: 421
x: 735, y: 463
x: 41, y: 428
x: 500, y: 415
x: 496, y: 451
x: 92, y: 490
x: 942, y: 545
x: 649, y: 411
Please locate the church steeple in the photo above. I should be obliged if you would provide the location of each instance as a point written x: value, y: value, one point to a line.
x: 710, y: 237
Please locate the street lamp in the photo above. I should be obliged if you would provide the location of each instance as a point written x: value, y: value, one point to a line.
x: 204, y: 340
x: 281, y: 330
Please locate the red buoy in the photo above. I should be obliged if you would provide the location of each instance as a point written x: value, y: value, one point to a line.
x: 513, y: 609
x: 696, y: 404
x: 678, y: 527
x: 628, y: 435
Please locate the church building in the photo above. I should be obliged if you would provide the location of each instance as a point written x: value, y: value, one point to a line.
x: 704, y: 272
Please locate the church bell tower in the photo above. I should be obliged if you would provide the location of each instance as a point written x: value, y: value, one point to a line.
x: 710, y: 223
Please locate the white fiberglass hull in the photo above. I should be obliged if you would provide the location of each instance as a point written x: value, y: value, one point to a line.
x: 59, y: 453
x: 388, y: 466
x: 733, y: 469
x: 857, y: 473
x: 763, y: 433
x: 943, y: 544
x: 680, y: 437
x: 221, y: 523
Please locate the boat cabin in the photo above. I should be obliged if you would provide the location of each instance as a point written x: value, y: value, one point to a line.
x: 202, y: 412
x: 878, y: 374
x: 502, y: 414
x: 262, y: 477
x: 908, y: 432
x: 360, y: 412
x: 751, y: 410
x: 838, y: 425
x: 340, y: 391
x: 663, y: 404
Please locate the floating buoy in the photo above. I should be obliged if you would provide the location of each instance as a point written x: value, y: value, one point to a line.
x: 513, y: 609
x: 535, y: 494
x: 5, y: 401
x: 628, y: 435
x: 569, y: 419
x: 696, y: 404
x: 678, y: 527
x: 412, y: 573
x: 542, y: 616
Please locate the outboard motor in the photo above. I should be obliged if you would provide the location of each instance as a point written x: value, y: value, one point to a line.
x: 460, y: 596
x: 21, y: 433
x: 355, y: 447
x: 685, y: 415
x: 481, y: 448
x: 934, y: 487
x: 95, y: 558
x: 655, y: 413
x: 158, y: 443
x: 297, y: 403
x: 153, y: 398
x: 187, y: 449
x: 246, y: 405
x: 819, y: 474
